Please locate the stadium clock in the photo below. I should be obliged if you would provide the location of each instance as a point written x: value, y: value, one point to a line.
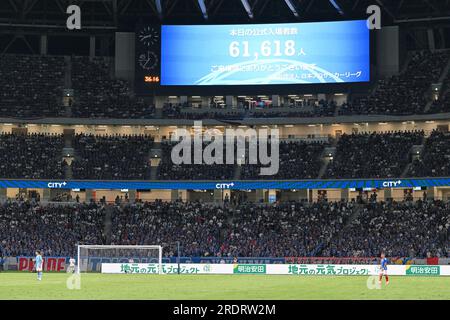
x: 149, y: 36
x: 148, y: 60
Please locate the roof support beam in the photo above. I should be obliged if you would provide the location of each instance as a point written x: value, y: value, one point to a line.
x: 159, y: 7
x: 202, y: 5
x: 337, y: 7
x: 355, y: 5
x: 215, y: 6
x: 292, y: 7
x: 11, y: 2
x: 310, y: 5
x: 432, y: 6
x: 248, y: 8
x: 386, y: 9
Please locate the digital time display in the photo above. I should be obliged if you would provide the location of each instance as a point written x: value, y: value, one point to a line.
x: 151, y: 79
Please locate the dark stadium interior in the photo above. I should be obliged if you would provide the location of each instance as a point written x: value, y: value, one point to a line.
x: 71, y: 112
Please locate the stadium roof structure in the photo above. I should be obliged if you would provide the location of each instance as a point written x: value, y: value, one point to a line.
x: 123, y: 14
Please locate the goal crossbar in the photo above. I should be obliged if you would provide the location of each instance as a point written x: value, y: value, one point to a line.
x: 88, y: 246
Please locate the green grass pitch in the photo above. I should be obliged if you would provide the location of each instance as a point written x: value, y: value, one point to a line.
x: 15, y: 285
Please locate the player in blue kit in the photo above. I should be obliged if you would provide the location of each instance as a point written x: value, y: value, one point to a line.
x: 39, y: 264
x: 383, y: 269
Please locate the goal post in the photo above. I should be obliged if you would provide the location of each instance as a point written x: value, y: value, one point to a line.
x: 90, y: 257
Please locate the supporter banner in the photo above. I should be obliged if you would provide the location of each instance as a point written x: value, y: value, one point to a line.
x: 350, y: 260
x: 219, y: 260
x: 234, y: 185
x: 433, y: 261
x: 274, y: 269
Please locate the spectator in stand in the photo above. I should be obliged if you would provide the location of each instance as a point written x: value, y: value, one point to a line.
x: 373, y: 155
x: 298, y: 160
x: 33, y: 156
x: 434, y: 160
x: 112, y: 157
x: 56, y: 229
x: 122, y: 157
x: 442, y: 104
x: 31, y: 86
x: 403, y: 94
x: 403, y: 229
x: 291, y: 229
x: 167, y: 170
x: 98, y: 95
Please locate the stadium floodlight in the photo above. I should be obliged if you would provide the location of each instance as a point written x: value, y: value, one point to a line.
x: 248, y: 8
x: 202, y: 5
x: 292, y: 7
x: 90, y: 257
x: 337, y: 7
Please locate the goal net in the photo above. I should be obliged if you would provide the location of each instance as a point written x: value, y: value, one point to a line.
x: 91, y: 257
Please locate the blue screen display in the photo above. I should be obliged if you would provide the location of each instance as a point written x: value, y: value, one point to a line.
x: 265, y: 54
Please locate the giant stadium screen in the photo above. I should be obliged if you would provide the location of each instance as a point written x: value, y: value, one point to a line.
x: 256, y: 54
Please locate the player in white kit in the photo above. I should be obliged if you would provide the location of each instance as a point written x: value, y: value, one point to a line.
x: 71, y: 268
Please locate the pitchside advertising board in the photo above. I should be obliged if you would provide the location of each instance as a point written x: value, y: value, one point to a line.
x: 231, y: 185
x: 57, y: 264
x: 201, y: 265
x: 274, y: 269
